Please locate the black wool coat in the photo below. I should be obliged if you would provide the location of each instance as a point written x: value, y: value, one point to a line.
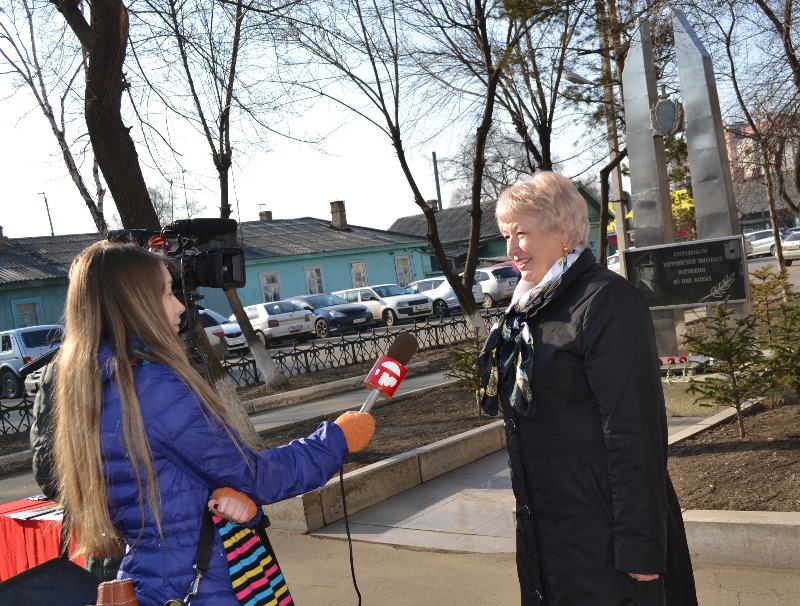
x: 589, y: 469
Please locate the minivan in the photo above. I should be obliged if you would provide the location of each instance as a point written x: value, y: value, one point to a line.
x: 21, y: 345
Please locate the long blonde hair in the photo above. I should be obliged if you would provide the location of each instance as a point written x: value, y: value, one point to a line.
x: 115, y: 291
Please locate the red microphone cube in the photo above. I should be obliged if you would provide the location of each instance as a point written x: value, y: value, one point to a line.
x: 385, y: 375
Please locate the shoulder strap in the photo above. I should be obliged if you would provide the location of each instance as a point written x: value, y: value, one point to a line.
x: 206, y: 543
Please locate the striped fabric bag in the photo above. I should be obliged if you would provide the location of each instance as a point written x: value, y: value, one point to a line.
x: 257, y: 579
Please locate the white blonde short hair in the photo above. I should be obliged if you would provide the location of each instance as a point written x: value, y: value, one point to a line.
x: 554, y: 203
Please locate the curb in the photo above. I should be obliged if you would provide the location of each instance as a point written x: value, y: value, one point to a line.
x: 374, y: 483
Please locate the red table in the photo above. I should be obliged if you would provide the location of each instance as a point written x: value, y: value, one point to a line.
x: 24, y: 543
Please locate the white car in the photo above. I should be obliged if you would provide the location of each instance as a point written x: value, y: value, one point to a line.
x: 225, y: 336
x: 762, y: 242
x: 612, y: 262
x: 497, y: 282
x: 444, y: 299
x: 19, y: 346
x: 278, y: 320
x: 389, y: 303
x: 791, y: 247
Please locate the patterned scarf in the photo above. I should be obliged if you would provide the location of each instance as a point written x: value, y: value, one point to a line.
x: 508, y: 351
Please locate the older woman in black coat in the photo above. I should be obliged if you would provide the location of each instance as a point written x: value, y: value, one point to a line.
x: 573, y: 368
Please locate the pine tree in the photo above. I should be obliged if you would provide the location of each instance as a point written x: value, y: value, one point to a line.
x: 735, y: 354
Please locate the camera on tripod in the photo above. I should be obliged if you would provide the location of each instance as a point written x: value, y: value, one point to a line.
x: 196, y: 263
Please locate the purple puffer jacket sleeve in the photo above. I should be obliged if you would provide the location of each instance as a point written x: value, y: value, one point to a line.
x: 196, y: 443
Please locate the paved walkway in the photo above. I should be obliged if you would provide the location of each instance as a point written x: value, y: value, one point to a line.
x: 468, y: 510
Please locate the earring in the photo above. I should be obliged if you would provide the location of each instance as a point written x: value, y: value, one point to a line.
x: 565, y: 249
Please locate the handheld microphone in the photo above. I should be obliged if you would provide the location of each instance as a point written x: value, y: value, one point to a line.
x: 389, y: 370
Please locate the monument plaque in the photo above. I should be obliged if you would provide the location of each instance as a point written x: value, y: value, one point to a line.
x: 688, y: 274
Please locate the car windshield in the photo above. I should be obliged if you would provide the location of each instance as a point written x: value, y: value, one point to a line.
x: 42, y: 338
x: 316, y: 301
x: 506, y: 272
x: 390, y: 290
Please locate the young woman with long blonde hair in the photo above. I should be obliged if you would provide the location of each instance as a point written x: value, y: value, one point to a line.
x: 141, y: 440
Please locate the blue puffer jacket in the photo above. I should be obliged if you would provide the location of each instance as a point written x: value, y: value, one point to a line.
x: 193, y: 455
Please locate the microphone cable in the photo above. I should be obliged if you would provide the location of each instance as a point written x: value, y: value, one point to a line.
x: 349, y: 538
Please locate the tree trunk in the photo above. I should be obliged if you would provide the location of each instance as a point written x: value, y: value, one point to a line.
x: 105, y: 42
x: 265, y: 364
x: 476, y: 322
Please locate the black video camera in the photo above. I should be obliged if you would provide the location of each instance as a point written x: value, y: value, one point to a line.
x: 186, y: 242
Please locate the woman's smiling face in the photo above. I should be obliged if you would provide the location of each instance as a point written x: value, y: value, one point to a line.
x: 532, y: 250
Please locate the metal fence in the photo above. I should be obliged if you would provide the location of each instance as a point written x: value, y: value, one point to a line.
x: 15, y: 418
x: 302, y: 358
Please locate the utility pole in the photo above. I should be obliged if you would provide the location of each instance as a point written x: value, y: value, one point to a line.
x: 436, y: 176
x: 47, y: 206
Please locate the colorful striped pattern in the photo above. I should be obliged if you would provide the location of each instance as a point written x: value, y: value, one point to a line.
x: 257, y: 579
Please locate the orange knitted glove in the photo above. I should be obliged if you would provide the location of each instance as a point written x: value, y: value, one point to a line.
x: 232, y: 505
x: 358, y: 428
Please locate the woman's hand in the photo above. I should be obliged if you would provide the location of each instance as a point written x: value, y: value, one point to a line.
x: 643, y: 577
x: 232, y: 505
x: 357, y: 427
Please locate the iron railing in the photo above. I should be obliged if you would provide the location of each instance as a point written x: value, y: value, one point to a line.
x: 15, y: 418
x: 302, y: 358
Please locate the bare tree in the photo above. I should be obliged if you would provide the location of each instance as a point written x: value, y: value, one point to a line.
x: 507, y: 161
x: 393, y: 63
x: 37, y: 57
x: 208, y: 41
x: 104, y: 43
x: 761, y: 65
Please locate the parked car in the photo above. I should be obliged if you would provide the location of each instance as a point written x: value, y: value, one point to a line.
x: 612, y: 262
x: 498, y: 283
x: 762, y: 241
x: 225, y: 336
x: 388, y: 303
x: 334, y: 314
x: 791, y: 247
x: 279, y: 320
x: 21, y: 345
x: 439, y: 291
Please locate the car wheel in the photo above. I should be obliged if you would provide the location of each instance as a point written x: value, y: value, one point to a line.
x: 322, y: 329
x: 488, y: 302
x: 787, y: 262
x: 389, y: 318
x: 772, y: 250
x: 439, y: 308
x: 12, y: 385
x: 261, y: 337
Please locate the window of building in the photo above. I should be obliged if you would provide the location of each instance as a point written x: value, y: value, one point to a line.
x: 270, y: 286
x: 314, y: 282
x: 27, y: 312
x: 402, y: 266
x: 358, y: 273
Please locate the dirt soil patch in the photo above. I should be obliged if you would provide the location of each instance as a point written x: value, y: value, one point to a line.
x: 760, y: 472
x: 715, y: 470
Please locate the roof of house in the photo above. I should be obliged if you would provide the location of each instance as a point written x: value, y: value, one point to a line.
x: 307, y: 235
x: 42, y: 257
x: 453, y: 224
x: 48, y: 257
